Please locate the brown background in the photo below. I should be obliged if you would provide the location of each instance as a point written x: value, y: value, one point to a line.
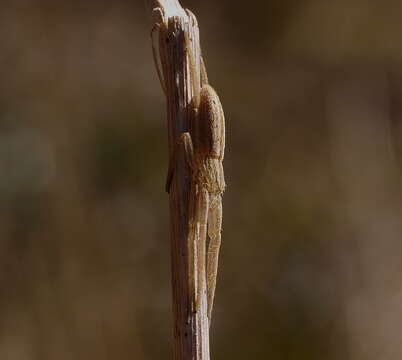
x: 311, y: 257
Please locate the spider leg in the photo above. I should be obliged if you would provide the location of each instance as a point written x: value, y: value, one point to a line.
x: 204, y: 75
x: 214, y: 234
x: 202, y: 206
x: 156, y: 56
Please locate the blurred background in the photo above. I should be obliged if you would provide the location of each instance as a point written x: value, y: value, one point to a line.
x: 311, y: 263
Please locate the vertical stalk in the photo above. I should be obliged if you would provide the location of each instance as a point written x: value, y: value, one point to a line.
x: 191, y: 330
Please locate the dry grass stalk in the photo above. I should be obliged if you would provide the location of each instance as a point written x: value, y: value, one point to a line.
x: 176, y: 28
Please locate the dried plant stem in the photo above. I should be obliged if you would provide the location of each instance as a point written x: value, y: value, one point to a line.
x: 175, y: 27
